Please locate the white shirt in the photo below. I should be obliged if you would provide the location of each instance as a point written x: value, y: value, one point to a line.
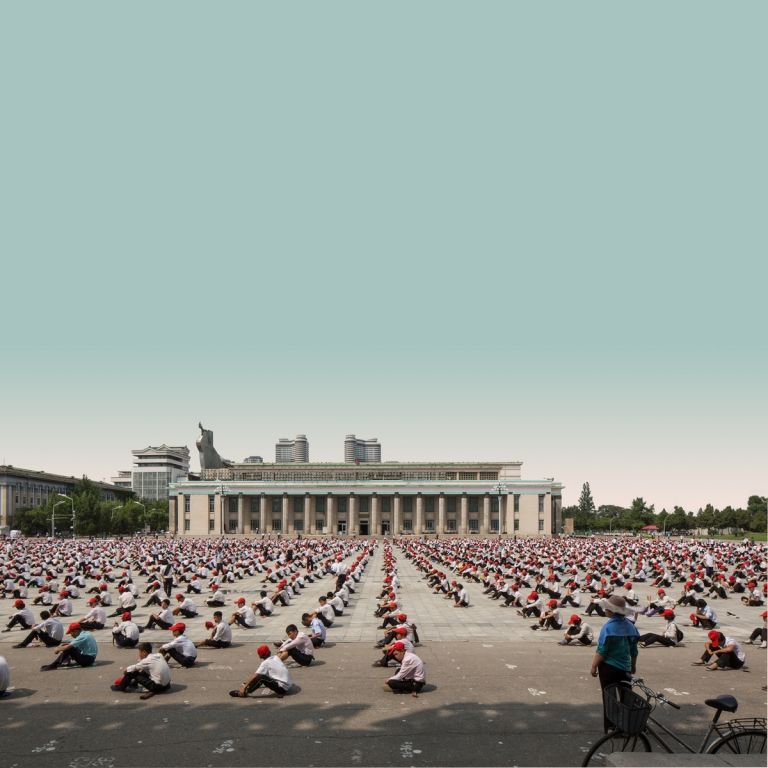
x: 54, y: 629
x: 183, y: 645
x: 223, y: 632
x: 154, y: 665
x: 411, y: 668
x: 273, y: 667
x: 301, y: 643
x: 128, y: 629
x: 97, y: 614
x: 246, y: 612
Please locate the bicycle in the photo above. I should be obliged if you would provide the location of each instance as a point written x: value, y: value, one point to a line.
x: 631, y: 714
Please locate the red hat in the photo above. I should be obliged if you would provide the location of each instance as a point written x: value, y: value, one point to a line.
x: 240, y: 601
x: 64, y: 593
x: 179, y: 626
x: 552, y: 603
x: 401, y: 630
x: 18, y: 604
x: 179, y: 596
x: 574, y: 619
x: 398, y: 646
x: 533, y: 596
x: 764, y: 615
x: 126, y: 616
x: 668, y: 614
x: 121, y: 589
x: 401, y: 617
x: 74, y: 626
x: 263, y: 651
x: 93, y: 600
x: 714, y: 636
x: 393, y: 604
x: 628, y: 585
x: 102, y: 587
x: 209, y: 625
x: 660, y: 592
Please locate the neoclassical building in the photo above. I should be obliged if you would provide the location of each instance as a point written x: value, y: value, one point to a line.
x: 479, y: 498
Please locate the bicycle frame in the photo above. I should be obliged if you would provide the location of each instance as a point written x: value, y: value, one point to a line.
x: 650, y: 732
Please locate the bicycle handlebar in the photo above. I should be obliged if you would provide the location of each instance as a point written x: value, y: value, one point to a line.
x: 660, y: 697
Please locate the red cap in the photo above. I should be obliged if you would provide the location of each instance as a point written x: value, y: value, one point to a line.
x: 209, y: 625
x: 401, y: 630
x: 714, y: 636
x: 179, y: 596
x: 102, y: 587
x: 75, y: 625
x: 660, y: 592
x: 179, y: 626
x: 93, y: 600
x: 628, y: 585
x: 126, y: 616
x: 668, y: 614
x: 240, y: 601
x: 574, y: 619
x: 552, y: 603
x: 18, y: 604
x: 393, y: 604
x: 64, y: 594
x: 533, y: 596
x: 263, y: 651
x: 401, y: 617
x: 764, y: 615
x: 398, y: 646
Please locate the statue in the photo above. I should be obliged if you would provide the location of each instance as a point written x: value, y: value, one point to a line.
x: 209, y: 456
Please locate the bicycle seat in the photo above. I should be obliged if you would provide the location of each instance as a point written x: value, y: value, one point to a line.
x: 724, y: 702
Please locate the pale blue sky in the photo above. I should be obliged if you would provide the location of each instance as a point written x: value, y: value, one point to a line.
x: 474, y: 231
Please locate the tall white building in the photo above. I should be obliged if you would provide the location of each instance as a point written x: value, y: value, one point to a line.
x: 358, y: 451
x: 155, y: 468
x: 292, y: 451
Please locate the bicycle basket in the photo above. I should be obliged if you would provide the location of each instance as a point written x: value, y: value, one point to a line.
x: 625, y: 709
x: 740, y: 724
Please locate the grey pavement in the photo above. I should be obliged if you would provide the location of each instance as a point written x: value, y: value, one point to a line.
x: 497, y: 694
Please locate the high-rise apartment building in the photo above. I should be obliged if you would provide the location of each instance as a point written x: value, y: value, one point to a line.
x: 358, y: 451
x: 155, y: 468
x: 292, y: 451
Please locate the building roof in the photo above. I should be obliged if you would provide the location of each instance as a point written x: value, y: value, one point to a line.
x: 35, y: 474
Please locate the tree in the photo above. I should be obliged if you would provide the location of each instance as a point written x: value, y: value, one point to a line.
x: 586, y: 502
x: 757, y: 511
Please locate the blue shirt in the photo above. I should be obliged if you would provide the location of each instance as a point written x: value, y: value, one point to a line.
x: 617, y: 643
x: 85, y: 642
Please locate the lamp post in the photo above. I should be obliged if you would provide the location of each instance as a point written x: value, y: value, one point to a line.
x: 53, y: 517
x: 501, y: 490
x: 71, y: 501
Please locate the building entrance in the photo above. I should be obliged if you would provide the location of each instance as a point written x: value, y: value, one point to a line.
x: 385, y: 527
x: 363, y: 527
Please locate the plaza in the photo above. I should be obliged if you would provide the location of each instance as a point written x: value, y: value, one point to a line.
x: 497, y: 693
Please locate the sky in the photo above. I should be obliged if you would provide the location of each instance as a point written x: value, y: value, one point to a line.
x: 488, y: 231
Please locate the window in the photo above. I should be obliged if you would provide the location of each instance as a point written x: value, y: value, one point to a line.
x: 320, y: 505
x: 255, y: 505
x: 233, y: 526
x: 277, y: 524
x: 450, y: 525
x: 541, y: 503
x: 467, y: 475
x: 489, y: 475
x: 319, y: 524
x: 494, y: 525
x: 429, y: 525
x: 474, y: 525
x: 211, y: 524
x: 254, y: 525
x: 298, y: 524
x: 408, y: 524
x: 211, y: 504
x: 186, y: 525
x: 541, y: 525
x: 517, y: 525
x: 517, y: 503
x: 187, y: 503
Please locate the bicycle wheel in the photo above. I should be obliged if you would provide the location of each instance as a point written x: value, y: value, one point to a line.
x: 616, y: 742
x: 750, y: 741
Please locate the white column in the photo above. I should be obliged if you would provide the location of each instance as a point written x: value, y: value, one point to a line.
x: 419, y: 514
x: 485, y: 527
x: 330, y: 508
x: 309, y: 508
x: 352, y: 514
x: 286, y: 502
x: 463, y: 520
x: 240, y: 507
x: 263, y: 513
x: 441, y: 503
x: 375, y: 526
x: 397, y: 514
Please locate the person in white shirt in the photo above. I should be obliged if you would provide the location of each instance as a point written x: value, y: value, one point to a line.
x: 181, y: 648
x: 96, y: 618
x: 271, y: 673
x: 578, y: 631
x: 551, y: 618
x: 163, y: 618
x: 671, y: 636
x: 244, y: 615
x: 125, y: 634
x: 125, y: 601
x: 221, y: 633
x: 317, y: 633
x: 185, y: 607
x: 23, y: 617
x: 216, y: 599
x: 64, y: 606
x: 461, y: 597
x: 49, y: 631
x: 410, y: 678
x: 151, y: 672
x: 400, y: 637
x: 721, y: 652
x: 264, y: 605
x: 336, y: 603
x: 298, y: 647
x: 324, y: 612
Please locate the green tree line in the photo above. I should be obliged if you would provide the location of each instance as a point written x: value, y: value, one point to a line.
x: 608, y: 517
x: 93, y: 516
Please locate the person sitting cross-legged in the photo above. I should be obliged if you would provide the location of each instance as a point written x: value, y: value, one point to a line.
x: 410, y: 678
x: 82, y: 650
x: 151, y: 672
x: 271, y: 673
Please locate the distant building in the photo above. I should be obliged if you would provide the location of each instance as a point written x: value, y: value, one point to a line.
x: 292, y: 451
x: 253, y: 460
x: 358, y: 451
x: 155, y: 468
x: 123, y: 479
x: 27, y: 488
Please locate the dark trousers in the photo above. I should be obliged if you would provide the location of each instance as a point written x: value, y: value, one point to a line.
x: 263, y: 611
x: 325, y: 621
x: 389, y: 621
x: 121, y: 641
x: 153, y: 622
x: 595, y: 608
x: 723, y: 659
x: 209, y: 643
x: 153, y: 600
x: 650, y: 638
x: 187, y: 614
x: 568, y: 600
x: 90, y: 625
x: 317, y: 641
x: 267, y: 682
x: 610, y: 675
x: 303, y: 659
x: 185, y: 661
x: 405, y: 686
x: 143, y: 679
x: 20, y: 621
x: 760, y: 632
x: 37, y: 634
x: 73, y: 654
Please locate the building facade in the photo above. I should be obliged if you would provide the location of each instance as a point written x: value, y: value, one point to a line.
x: 357, y: 451
x: 292, y: 451
x: 483, y: 499
x: 155, y: 468
x: 26, y: 488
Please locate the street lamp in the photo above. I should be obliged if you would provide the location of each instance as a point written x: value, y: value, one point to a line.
x: 64, y: 496
x: 53, y: 517
x: 501, y: 489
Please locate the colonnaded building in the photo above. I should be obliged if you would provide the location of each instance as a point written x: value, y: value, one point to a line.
x: 392, y: 498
